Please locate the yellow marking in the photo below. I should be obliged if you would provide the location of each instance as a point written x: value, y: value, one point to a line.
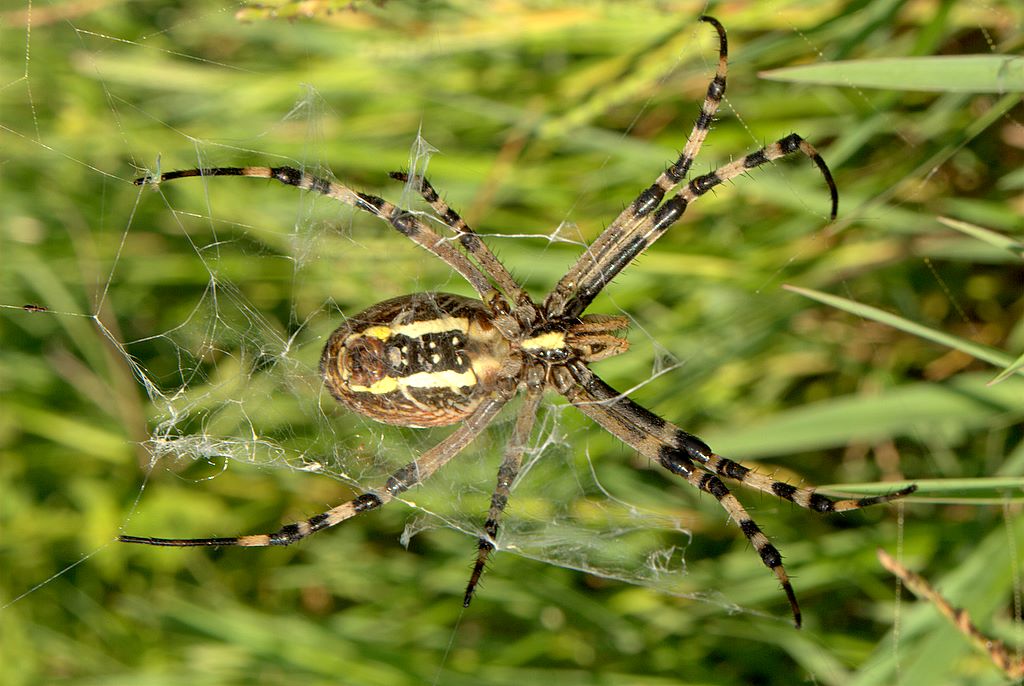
x: 445, y: 379
x: 381, y: 332
x: 343, y: 371
x: 386, y: 385
x: 552, y: 340
x: 485, y: 366
x: 439, y: 325
x: 417, y: 329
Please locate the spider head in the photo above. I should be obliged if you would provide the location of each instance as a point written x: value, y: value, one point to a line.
x: 590, y: 338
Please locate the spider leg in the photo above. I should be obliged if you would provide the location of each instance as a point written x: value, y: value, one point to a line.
x: 698, y: 452
x: 402, y: 480
x: 643, y: 222
x: 404, y: 222
x: 577, y: 388
x: 788, y: 145
x: 684, y: 454
x: 642, y: 235
x: 612, y: 239
x: 807, y: 498
x: 507, y: 473
x: 471, y: 241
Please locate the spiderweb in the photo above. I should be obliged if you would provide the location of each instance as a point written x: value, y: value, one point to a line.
x: 196, y: 312
x: 246, y: 389
x: 245, y: 281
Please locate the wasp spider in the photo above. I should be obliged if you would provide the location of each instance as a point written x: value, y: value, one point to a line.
x: 435, y: 359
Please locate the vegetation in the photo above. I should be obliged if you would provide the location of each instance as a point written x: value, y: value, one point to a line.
x: 171, y: 388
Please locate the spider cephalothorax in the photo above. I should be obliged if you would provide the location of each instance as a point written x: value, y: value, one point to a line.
x: 433, y: 359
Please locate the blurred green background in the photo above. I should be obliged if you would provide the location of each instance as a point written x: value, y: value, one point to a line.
x: 171, y: 388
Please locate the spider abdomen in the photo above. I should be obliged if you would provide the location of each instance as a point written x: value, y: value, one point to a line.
x: 426, y: 359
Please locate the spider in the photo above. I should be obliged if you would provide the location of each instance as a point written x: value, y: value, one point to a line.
x: 436, y: 359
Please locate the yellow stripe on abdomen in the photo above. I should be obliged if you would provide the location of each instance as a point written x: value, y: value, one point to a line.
x: 444, y: 379
x: 437, y: 325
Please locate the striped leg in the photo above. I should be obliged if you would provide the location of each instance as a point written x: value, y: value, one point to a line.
x: 404, y: 222
x: 675, y: 439
x: 807, y: 498
x: 402, y: 480
x: 780, y: 148
x: 471, y: 241
x: 613, y: 239
x: 576, y: 389
x: 685, y: 454
x: 507, y: 473
x: 642, y: 235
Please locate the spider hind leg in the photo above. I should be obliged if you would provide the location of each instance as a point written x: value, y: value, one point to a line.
x: 409, y: 476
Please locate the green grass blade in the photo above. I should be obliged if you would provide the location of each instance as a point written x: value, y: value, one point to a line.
x: 977, y: 350
x: 993, y: 238
x: 950, y: 409
x: 1014, y: 368
x: 960, y: 73
x: 995, y: 490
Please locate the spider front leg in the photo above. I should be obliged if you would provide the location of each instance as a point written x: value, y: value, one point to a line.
x: 402, y: 480
x: 783, y: 147
x: 641, y: 235
x: 575, y: 383
x: 807, y: 498
x: 674, y: 438
x: 643, y: 221
x: 621, y: 232
x: 686, y: 455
